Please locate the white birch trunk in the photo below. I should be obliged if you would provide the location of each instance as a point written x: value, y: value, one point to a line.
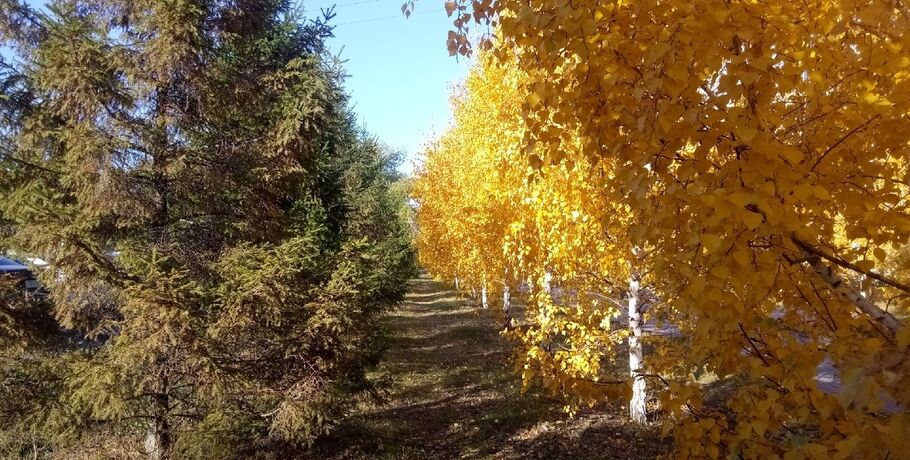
x: 506, y: 306
x: 637, y: 409
x: 547, y: 278
x: 456, y: 282
x: 845, y: 290
x: 852, y: 295
x: 483, y: 296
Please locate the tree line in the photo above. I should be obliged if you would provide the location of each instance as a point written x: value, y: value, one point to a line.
x: 732, y: 173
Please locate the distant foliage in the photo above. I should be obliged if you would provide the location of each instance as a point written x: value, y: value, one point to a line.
x: 484, y: 209
x: 222, y: 240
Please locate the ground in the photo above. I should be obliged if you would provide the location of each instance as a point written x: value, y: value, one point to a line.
x: 452, y: 394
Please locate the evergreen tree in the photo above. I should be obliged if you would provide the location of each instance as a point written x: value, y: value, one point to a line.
x: 218, y: 233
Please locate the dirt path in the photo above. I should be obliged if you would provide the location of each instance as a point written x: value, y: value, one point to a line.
x: 452, y: 395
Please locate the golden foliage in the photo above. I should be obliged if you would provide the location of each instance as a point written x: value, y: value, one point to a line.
x: 758, y: 152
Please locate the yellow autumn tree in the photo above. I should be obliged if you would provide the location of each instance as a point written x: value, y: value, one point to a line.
x: 486, y: 205
x: 762, y: 148
x: 567, y: 238
x: 465, y: 195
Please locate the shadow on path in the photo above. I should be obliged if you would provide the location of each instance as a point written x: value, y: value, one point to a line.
x: 452, y: 395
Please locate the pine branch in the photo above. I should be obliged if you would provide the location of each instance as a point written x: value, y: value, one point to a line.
x: 7, y: 155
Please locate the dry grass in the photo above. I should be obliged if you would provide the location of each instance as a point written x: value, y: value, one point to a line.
x: 452, y: 395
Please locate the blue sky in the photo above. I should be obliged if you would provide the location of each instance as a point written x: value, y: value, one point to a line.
x: 400, y: 72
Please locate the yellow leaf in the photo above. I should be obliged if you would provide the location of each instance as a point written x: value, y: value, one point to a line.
x: 803, y: 191
x: 879, y: 254
x: 875, y: 99
x: 865, y: 264
x: 740, y: 199
x: 816, y: 77
x: 760, y: 426
x: 745, y: 133
x: 903, y: 337
x: 752, y: 220
x: 711, y: 242
x: 678, y: 72
x: 714, y: 435
x: 793, y: 156
x: 743, y: 258
x: 713, y: 451
x: 821, y: 193
x: 872, y: 344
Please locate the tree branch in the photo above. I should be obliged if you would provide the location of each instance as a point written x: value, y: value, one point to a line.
x: 841, y: 141
x: 806, y: 247
x: 9, y: 156
x: 754, y: 347
x: 814, y: 257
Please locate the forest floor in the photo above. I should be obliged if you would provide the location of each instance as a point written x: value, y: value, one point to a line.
x: 452, y: 394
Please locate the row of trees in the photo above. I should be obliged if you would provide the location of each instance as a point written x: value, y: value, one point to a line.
x: 221, y: 237
x: 739, y: 167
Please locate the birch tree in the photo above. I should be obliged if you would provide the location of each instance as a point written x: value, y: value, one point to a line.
x: 552, y: 225
x: 762, y: 150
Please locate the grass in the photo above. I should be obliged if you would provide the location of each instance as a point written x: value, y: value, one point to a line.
x: 453, y: 395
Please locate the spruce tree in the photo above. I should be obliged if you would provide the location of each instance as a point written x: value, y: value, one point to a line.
x: 218, y: 233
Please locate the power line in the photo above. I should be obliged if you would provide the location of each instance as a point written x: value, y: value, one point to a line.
x: 340, y: 5
x: 386, y: 18
x: 361, y: 2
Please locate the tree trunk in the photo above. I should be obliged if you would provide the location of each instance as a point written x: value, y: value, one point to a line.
x: 637, y: 409
x: 157, y: 439
x: 456, y: 282
x: 547, y: 278
x: 158, y: 433
x: 483, y: 296
x: 506, y: 306
x: 851, y: 294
